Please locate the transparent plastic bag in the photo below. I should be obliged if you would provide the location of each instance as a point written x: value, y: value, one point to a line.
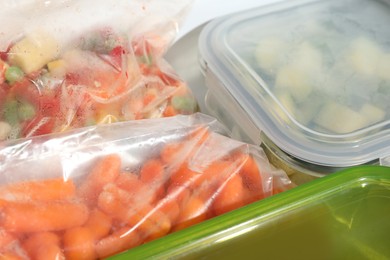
x: 101, y: 190
x: 75, y: 63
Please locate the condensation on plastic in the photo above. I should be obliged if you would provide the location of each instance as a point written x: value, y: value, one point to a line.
x: 65, y: 19
x: 103, y: 62
x: 203, y: 151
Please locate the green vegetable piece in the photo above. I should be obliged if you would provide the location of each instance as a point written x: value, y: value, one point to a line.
x: 10, y: 112
x: 13, y: 74
x: 184, y: 103
x: 26, y: 111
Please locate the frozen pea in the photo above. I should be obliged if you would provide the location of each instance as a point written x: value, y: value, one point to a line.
x: 184, y: 103
x: 13, y: 74
x: 26, y: 111
x: 10, y: 112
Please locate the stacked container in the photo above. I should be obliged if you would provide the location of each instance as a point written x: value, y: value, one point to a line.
x: 309, y: 80
x: 341, y: 216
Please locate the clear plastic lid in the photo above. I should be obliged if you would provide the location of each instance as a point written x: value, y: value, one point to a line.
x: 314, y: 76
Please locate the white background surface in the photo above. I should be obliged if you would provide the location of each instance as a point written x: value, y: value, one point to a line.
x: 206, y: 10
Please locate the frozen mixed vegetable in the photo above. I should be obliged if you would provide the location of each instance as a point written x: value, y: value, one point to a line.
x: 101, y: 77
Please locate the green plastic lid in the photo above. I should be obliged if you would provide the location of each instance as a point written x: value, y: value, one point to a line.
x: 341, y: 216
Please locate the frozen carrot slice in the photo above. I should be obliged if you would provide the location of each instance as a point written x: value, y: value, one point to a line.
x: 152, y: 172
x: 8, y: 244
x: 214, y: 172
x: 42, y: 216
x: 79, y: 243
x: 193, y: 212
x: 170, y: 111
x: 137, y: 189
x: 178, y: 193
x: 231, y: 196
x: 250, y: 174
x: 5, y: 238
x: 105, y: 171
x: 121, y: 240
x: 112, y: 201
x: 150, y: 222
x: 170, y: 152
x: 170, y: 207
x: 42, y: 190
x: 98, y: 223
x: 11, y: 255
x: 43, y: 245
x: 129, y: 182
x: 184, y: 176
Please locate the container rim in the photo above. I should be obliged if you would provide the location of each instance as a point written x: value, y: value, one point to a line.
x: 239, y: 80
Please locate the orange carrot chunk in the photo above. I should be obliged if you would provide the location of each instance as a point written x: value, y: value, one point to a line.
x: 178, y: 193
x: 169, y: 111
x: 43, y: 246
x: 149, y: 221
x: 105, y: 171
x: 183, y: 176
x: 98, y: 223
x: 231, y: 196
x: 193, y: 212
x: 152, y: 172
x: 10, y: 255
x: 250, y: 174
x: 170, y: 152
x: 170, y: 207
x: 42, y: 190
x: 129, y: 182
x: 114, y: 201
x: 5, y: 239
x: 43, y: 216
x: 121, y: 240
x: 79, y: 243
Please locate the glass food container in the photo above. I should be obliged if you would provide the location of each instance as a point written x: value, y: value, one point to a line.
x: 309, y: 80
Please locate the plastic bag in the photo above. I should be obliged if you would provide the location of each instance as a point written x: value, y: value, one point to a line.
x: 94, y: 192
x: 74, y: 63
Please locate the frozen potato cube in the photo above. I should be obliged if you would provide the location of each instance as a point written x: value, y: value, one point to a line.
x: 34, y: 51
x: 309, y: 109
x: 57, y: 67
x: 372, y: 113
x: 384, y: 67
x: 364, y: 55
x: 269, y: 52
x: 287, y: 103
x: 294, y: 81
x: 5, y: 130
x: 340, y: 119
x: 307, y: 58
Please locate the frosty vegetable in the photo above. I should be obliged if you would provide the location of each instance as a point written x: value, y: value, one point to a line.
x: 102, y: 77
x: 99, y: 198
x: 326, y: 84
